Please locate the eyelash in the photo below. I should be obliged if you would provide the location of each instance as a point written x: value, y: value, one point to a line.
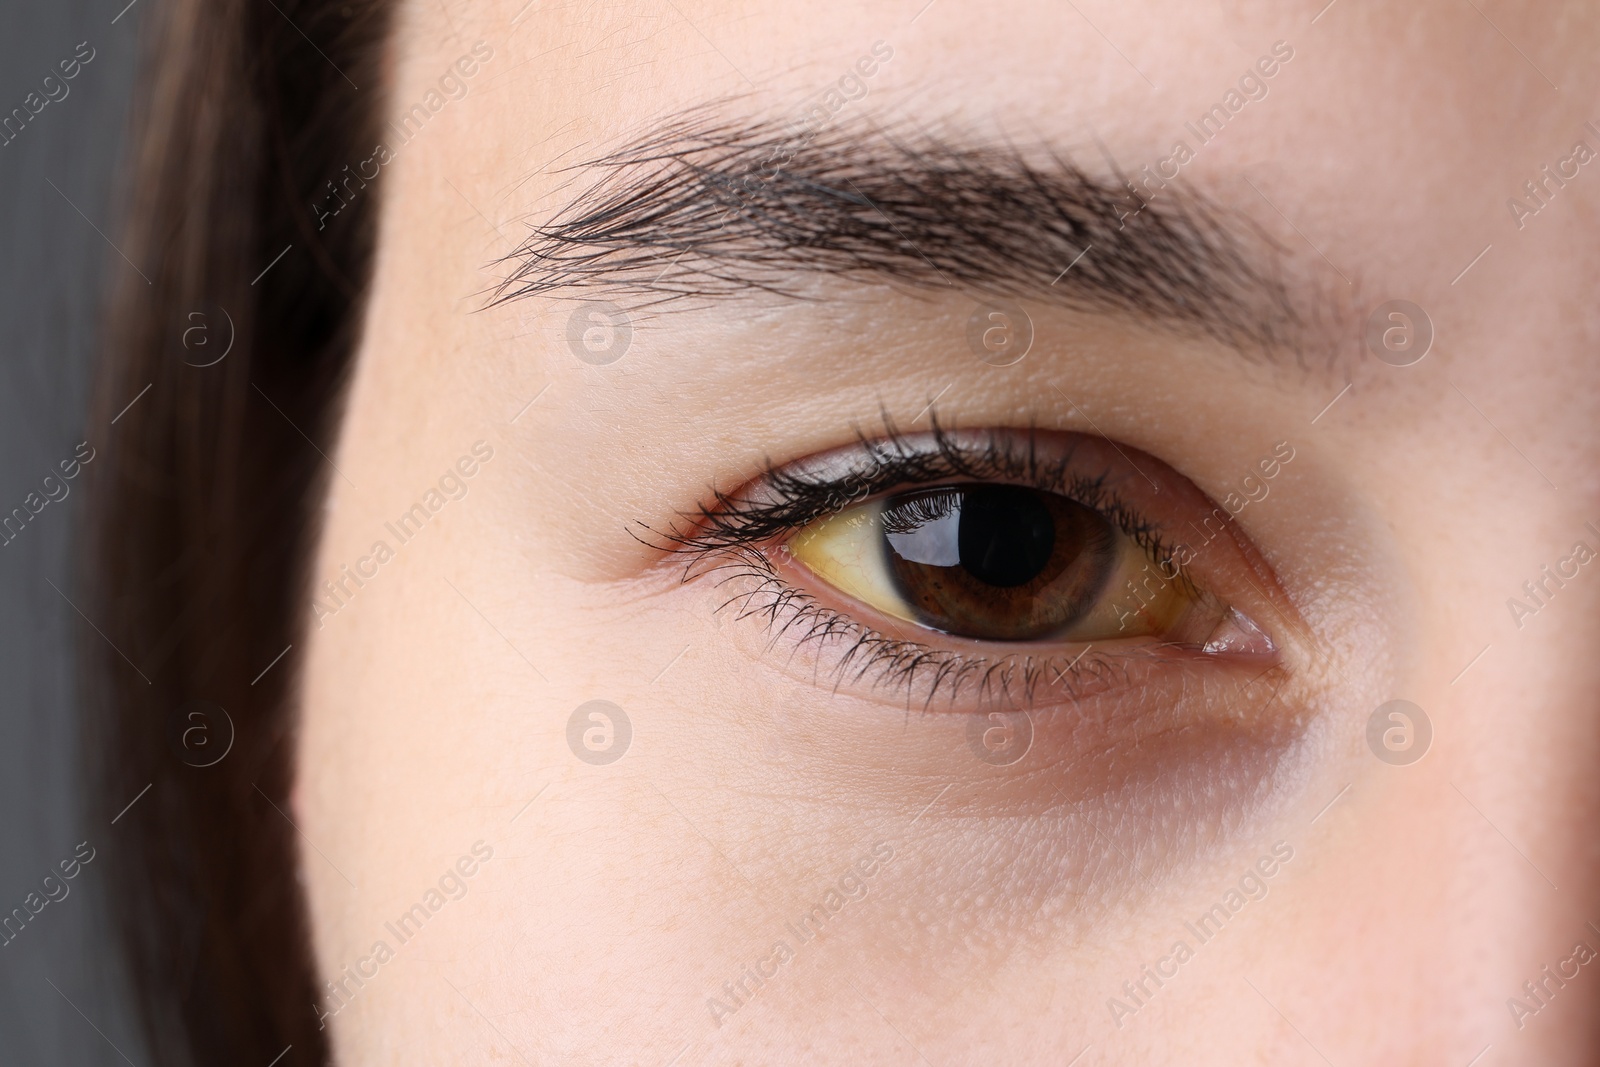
x: 728, y: 537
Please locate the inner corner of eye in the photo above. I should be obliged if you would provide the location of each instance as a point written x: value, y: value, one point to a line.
x: 1002, y: 562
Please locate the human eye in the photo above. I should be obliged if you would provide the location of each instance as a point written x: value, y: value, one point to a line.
x: 997, y: 561
x: 984, y: 568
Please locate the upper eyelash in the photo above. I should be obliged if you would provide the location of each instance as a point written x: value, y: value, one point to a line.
x: 796, y: 498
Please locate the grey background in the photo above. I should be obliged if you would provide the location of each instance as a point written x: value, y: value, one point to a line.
x: 53, y: 270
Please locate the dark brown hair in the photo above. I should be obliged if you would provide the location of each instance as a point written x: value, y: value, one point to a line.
x: 205, y: 496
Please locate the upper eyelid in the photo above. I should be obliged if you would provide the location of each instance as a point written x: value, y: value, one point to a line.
x: 788, y: 497
x: 833, y: 480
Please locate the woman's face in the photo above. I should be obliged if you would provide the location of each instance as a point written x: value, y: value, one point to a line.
x: 920, y: 567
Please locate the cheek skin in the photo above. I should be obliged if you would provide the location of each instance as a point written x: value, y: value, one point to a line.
x: 797, y: 775
x: 738, y: 777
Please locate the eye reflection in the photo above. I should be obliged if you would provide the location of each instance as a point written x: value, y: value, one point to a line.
x: 997, y: 562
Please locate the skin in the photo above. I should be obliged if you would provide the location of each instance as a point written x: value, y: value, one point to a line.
x: 1018, y: 901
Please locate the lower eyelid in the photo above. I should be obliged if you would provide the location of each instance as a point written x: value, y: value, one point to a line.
x: 911, y: 666
x: 1079, y: 700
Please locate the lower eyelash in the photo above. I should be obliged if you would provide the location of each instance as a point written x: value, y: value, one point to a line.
x: 1008, y: 681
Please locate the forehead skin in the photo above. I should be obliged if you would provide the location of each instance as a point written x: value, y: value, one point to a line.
x: 619, y: 898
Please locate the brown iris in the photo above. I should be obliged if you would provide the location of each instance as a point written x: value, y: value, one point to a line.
x: 996, y: 562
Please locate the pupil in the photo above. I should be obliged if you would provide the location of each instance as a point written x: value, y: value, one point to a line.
x: 1006, y: 535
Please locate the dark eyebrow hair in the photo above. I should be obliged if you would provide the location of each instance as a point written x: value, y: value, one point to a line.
x: 708, y: 206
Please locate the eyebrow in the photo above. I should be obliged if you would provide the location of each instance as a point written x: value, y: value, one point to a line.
x: 709, y: 206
